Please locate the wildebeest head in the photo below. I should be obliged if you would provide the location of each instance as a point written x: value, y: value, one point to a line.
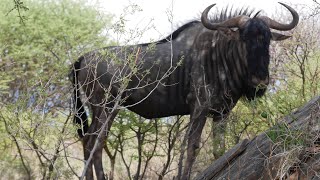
x: 255, y: 35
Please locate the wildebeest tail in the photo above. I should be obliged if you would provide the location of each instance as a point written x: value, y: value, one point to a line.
x: 80, y: 116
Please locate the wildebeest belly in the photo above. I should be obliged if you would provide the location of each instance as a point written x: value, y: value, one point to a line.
x: 161, y: 102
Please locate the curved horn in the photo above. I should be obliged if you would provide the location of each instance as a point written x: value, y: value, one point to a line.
x: 237, y: 21
x: 282, y: 27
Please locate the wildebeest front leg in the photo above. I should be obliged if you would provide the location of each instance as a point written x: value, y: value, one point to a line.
x: 197, y: 123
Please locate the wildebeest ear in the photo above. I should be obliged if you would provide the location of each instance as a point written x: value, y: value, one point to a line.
x: 278, y: 37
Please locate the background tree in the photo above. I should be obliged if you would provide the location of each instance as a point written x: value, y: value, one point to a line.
x: 35, y: 61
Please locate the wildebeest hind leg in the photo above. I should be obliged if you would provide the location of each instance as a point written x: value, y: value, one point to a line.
x: 108, y: 118
x: 194, y: 138
x: 86, y: 150
x: 89, y: 142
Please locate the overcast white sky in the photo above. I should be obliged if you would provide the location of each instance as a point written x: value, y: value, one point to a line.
x: 156, y: 12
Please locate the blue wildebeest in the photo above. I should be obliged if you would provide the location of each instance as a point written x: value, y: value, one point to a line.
x: 201, y: 69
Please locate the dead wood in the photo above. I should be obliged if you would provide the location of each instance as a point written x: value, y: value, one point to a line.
x: 289, y: 150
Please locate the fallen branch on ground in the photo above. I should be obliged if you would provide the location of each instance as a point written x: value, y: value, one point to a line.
x: 289, y: 150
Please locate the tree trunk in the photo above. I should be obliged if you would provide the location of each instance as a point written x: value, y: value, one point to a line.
x: 289, y: 150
